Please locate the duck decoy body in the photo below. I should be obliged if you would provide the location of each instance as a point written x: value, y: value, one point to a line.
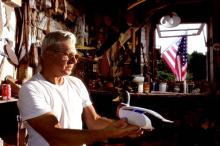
x: 142, y: 117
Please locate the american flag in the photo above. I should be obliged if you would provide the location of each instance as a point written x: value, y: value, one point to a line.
x: 176, y: 58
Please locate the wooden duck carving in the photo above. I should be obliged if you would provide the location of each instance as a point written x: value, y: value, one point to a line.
x: 142, y: 117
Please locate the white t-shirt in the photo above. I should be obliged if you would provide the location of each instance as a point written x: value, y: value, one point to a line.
x: 38, y: 96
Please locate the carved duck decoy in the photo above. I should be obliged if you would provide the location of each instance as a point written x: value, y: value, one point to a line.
x: 142, y: 117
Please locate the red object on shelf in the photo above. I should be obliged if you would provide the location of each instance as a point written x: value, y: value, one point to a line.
x: 6, y: 91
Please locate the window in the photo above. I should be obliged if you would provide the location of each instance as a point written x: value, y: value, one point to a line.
x: 189, y: 29
x: 196, y: 34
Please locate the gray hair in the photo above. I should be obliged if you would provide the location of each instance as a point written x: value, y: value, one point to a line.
x: 55, y: 37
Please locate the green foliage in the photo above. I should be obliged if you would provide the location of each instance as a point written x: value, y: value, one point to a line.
x: 164, y: 76
x: 196, y: 68
x: 163, y: 71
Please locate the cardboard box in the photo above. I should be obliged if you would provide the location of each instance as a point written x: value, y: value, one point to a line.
x: 13, y: 3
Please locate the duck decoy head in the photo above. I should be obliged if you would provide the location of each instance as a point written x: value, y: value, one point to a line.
x: 123, y: 97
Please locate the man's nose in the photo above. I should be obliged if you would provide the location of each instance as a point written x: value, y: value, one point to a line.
x: 72, y: 60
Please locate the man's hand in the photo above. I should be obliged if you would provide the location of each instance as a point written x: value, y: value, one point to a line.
x: 121, y: 128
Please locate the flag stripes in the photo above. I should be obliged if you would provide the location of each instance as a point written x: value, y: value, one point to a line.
x: 176, y: 58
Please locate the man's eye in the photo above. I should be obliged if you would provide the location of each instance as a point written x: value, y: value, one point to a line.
x: 66, y: 54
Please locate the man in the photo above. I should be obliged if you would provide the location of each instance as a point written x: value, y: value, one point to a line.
x: 52, y: 104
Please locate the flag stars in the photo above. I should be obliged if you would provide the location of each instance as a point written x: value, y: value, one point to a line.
x: 182, y: 52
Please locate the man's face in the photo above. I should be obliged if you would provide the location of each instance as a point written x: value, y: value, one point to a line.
x: 62, y: 58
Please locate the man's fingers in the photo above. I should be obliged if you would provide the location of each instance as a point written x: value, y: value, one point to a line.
x: 137, y: 133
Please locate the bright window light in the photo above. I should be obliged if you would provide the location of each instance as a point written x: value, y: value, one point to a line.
x: 189, y: 29
x: 196, y: 32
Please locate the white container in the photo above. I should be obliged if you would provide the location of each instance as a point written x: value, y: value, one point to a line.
x: 163, y: 87
x: 139, y: 80
x: 1, y: 142
x: 140, y: 88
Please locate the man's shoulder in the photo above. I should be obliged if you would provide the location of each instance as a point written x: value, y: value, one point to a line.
x: 33, y: 81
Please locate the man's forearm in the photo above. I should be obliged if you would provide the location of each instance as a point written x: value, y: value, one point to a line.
x: 100, y: 123
x: 67, y: 137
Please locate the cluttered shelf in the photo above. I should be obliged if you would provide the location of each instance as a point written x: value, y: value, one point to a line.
x: 158, y: 100
x: 8, y: 101
x: 168, y: 103
x: 153, y: 93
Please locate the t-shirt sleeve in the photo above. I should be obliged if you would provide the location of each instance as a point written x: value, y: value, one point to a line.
x: 31, y: 102
x: 85, y: 96
x: 83, y: 93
